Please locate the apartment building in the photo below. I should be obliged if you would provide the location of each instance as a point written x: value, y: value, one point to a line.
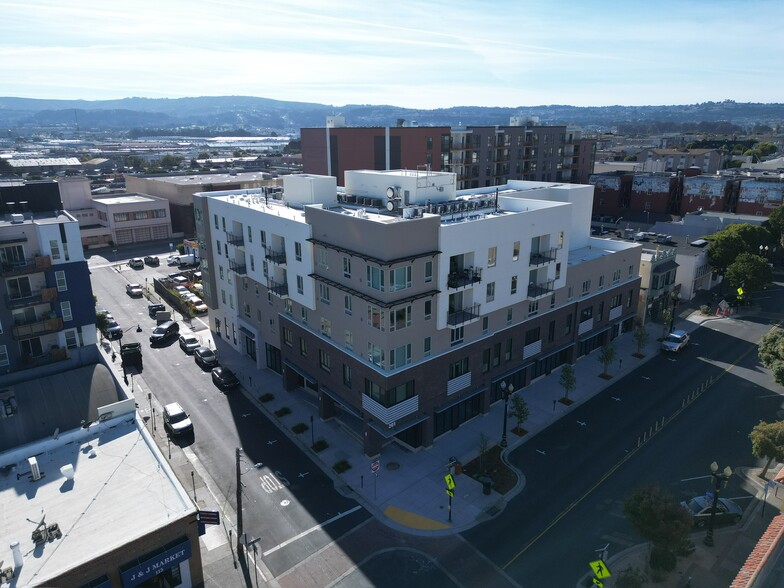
x: 480, y: 156
x: 47, y: 315
x: 708, y: 161
x: 402, y: 303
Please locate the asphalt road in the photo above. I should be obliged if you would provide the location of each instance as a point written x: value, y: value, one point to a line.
x: 579, y: 471
x: 289, y: 504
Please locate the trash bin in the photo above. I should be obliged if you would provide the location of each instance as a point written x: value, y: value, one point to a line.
x: 487, y: 484
x: 458, y: 468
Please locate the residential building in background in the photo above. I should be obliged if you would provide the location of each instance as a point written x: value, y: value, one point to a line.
x: 402, y: 303
x: 480, y: 156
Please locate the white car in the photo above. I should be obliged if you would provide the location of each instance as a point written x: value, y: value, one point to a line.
x: 134, y: 290
x: 175, y: 420
x: 675, y: 341
x: 173, y: 260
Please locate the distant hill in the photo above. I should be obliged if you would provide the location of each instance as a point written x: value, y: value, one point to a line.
x: 265, y: 115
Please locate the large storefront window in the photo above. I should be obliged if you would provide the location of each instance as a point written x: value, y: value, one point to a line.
x: 454, y: 416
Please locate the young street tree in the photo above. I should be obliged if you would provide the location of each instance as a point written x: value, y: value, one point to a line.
x: 640, y: 337
x: 767, y: 440
x: 606, y: 357
x: 658, y: 517
x: 771, y: 353
x: 520, y: 411
x: 568, y: 380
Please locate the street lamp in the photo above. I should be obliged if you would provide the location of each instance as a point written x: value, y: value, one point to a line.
x: 506, y: 391
x: 720, y: 480
x: 764, y: 251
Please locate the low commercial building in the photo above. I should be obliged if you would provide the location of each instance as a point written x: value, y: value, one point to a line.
x: 402, y: 304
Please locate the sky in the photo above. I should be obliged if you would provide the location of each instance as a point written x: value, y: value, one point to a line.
x: 411, y: 54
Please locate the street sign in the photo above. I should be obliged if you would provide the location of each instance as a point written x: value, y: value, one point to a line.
x: 209, y: 517
x: 600, y: 569
x: 450, y: 481
x: 740, y: 291
x: 374, y: 466
x: 450, y: 492
x: 598, y: 583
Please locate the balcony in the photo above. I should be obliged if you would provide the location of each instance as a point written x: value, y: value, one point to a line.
x: 38, y: 327
x: 539, y: 290
x: 42, y: 295
x: 57, y: 354
x: 238, y: 268
x: 276, y: 257
x: 464, y: 278
x: 543, y: 257
x: 236, y: 240
x: 463, y: 316
x: 279, y: 289
x: 38, y: 263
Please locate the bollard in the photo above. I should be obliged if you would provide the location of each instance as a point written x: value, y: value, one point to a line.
x: 657, y: 425
x: 650, y: 432
x: 638, y: 442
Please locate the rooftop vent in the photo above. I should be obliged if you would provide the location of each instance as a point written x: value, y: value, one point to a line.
x: 17, y: 218
x: 34, y: 469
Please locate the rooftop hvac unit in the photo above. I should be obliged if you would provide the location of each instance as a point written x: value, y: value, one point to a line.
x: 17, y: 218
x: 34, y: 469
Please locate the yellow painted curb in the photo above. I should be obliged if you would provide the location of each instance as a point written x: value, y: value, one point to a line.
x: 413, y: 520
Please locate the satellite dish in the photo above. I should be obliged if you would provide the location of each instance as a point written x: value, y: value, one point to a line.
x: 390, y: 192
x: 390, y: 205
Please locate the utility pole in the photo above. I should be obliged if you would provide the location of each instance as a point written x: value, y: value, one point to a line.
x: 239, y: 504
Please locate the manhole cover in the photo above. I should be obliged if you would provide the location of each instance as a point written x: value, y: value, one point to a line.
x: 393, y: 465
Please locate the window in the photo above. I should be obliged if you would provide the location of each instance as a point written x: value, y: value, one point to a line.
x: 456, y: 336
x: 428, y: 271
x: 347, y: 303
x: 216, y: 221
x: 458, y: 368
x: 400, y: 318
x: 508, y: 350
x: 631, y: 270
x: 55, y: 248
x: 223, y: 296
x: 220, y: 271
x: 70, y: 339
x: 486, y: 361
x: 601, y: 311
x: 323, y: 259
x: 18, y: 288
x: 508, y: 316
x: 375, y: 317
x: 304, y: 314
x: 400, y: 356
x: 557, y: 271
x: 629, y: 299
x: 586, y: 287
x: 514, y: 285
x: 258, y: 314
x: 615, y: 301
x: 516, y: 251
x: 560, y: 240
x: 375, y: 278
x: 287, y: 338
x: 324, y: 293
x: 347, y: 375
x: 325, y: 362
x: 223, y: 223
x: 298, y: 250
x: 263, y: 236
x: 485, y: 325
x: 533, y: 308
x: 570, y: 293
x: 616, y: 276
x: 346, y: 267
x: 349, y: 339
x: 601, y: 282
x: 492, y: 252
x: 568, y: 328
x: 552, y: 301
x: 4, y: 356
x: 250, y: 234
x: 532, y: 336
x: 389, y: 397
x: 496, y: 354
x: 62, y: 284
x: 428, y: 309
x: 226, y: 249
x: 586, y: 314
x: 490, y: 291
x: 376, y: 354
x: 400, y: 278
x: 246, y: 309
x: 326, y: 327
x: 426, y: 347
x: 300, y: 285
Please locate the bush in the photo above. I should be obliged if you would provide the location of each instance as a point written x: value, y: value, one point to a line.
x: 299, y: 428
x: 320, y: 445
x: 630, y: 578
x: 281, y: 412
x: 705, y: 309
x: 267, y: 397
x: 341, y: 466
x: 663, y: 559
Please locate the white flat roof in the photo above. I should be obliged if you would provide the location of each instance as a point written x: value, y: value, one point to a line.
x: 126, y: 199
x: 122, y: 489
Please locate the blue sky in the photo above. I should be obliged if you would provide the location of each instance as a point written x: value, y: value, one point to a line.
x: 405, y: 53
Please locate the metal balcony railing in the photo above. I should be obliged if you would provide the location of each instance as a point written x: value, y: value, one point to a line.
x: 236, y: 240
x: 540, y: 290
x: 38, y: 297
x: 38, y: 327
x: 276, y: 257
x: 463, y: 316
x: 238, y: 268
x: 279, y: 289
x: 465, y: 277
x: 38, y: 263
x: 543, y: 257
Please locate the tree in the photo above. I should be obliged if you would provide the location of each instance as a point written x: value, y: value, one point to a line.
x: 101, y: 322
x: 568, y: 380
x: 640, y: 337
x: 725, y: 245
x: 666, y: 320
x: 658, y: 517
x: 771, y: 353
x: 750, y: 271
x: 606, y: 356
x: 767, y: 440
x: 775, y: 224
x: 484, y: 443
x: 520, y: 411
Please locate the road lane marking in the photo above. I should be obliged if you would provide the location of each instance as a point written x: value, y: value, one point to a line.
x: 309, y: 531
x: 695, y: 478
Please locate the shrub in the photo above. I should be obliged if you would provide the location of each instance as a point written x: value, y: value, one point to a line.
x: 705, y: 309
x: 320, y: 445
x: 630, y: 578
x: 267, y: 397
x: 281, y: 412
x: 299, y: 428
x: 663, y: 559
x: 341, y: 466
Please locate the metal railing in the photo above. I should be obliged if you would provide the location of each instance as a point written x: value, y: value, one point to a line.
x: 542, y: 289
x: 463, y: 316
x: 543, y: 257
x: 464, y: 278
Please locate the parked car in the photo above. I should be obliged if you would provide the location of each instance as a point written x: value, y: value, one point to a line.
x: 175, y: 420
x: 152, y: 261
x: 205, y: 358
x: 181, y: 290
x: 153, y: 309
x: 224, y: 378
x: 134, y: 290
x: 700, y: 508
x: 113, y: 331
x: 200, y: 308
x: 178, y: 279
x: 188, y: 343
x: 136, y: 263
x: 675, y: 341
x: 173, y: 260
x: 164, y: 332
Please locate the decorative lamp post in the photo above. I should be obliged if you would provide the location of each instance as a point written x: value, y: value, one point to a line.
x: 720, y: 480
x: 506, y: 391
x: 764, y: 251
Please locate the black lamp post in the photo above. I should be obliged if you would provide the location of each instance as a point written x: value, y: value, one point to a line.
x: 720, y: 480
x: 507, y: 391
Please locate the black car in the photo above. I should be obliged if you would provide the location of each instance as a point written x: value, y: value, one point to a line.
x: 152, y: 261
x: 224, y: 378
x: 164, y: 332
x: 153, y: 309
x: 205, y: 358
x: 113, y: 331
